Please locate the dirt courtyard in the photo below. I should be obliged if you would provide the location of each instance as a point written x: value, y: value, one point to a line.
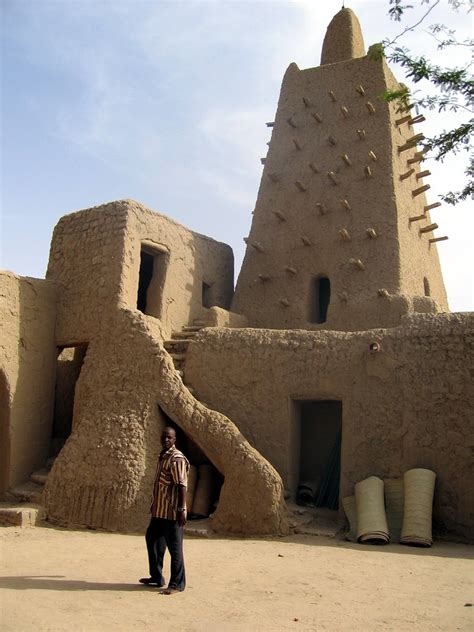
x: 85, y: 581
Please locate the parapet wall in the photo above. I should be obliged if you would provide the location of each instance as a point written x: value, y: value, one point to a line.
x: 409, y: 405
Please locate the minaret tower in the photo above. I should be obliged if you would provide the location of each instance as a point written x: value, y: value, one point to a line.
x: 341, y: 236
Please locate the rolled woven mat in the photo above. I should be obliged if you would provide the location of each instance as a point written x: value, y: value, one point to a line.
x: 192, y: 480
x: 349, y: 504
x: 394, y: 507
x: 204, y: 490
x: 371, y: 520
x: 418, y: 507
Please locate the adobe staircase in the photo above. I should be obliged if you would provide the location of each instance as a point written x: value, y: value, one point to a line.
x: 177, y: 347
x: 23, y: 506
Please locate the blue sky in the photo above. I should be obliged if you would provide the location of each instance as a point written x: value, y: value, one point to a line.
x: 166, y: 103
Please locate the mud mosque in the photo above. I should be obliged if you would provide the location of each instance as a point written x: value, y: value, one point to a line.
x: 335, y: 358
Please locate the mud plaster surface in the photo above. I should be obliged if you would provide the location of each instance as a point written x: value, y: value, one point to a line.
x: 325, y: 584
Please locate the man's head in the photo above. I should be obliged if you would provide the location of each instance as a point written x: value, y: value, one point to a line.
x: 168, y: 437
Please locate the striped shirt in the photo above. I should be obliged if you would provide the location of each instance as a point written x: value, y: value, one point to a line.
x: 171, y: 470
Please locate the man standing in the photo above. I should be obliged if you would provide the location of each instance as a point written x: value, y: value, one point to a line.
x: 168, y: 515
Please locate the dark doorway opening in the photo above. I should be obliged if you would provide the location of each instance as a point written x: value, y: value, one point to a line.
x: 207, y: 295
x: 320, y: 453
x: 204, y: 480
x: 320, y: 296
x: 151, y: 280
x: 68, y: 369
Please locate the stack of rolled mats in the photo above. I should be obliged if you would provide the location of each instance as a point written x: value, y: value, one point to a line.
x: 394, y: 510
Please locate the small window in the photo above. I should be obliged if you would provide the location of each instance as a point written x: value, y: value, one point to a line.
x: 320, y: 296
x: 426, y: 287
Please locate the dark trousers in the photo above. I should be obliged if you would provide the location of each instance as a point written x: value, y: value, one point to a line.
x: 162, y: 534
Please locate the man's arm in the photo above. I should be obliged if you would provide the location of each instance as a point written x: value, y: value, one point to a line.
x: 181, y: 515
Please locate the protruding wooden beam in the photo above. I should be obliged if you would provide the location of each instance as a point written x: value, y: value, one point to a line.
x: 345, y: 235
x: 435, y: 239
x: 291, y: 122
x: 347, y: 160
x: 297, y: 144
x: 345, y: 205
x: 415, y: 139
x: 306, y: 240
x: 317, y: 117
x: 291, y: 270
x: 285, y: 302
x: 373, y: 156
x: 367, y: 171
x: 370, y: 107
x: 361, y: 134
x: 417, y: 157
x: 300, y: 186
x: 420, y: 190
x: 371, y: 233
x: 405, y: 147
x: 332, y: 176
x: 270, y: 123
x: 307, y: 102
x: 280, y: 215
x: 314, y: 168
x: 360, y: 90
x: 264, y: 277
x: 428, y: 229
x: 246, y: 239
x: 321, y: 208
x: 258, y: 246
x: 332, y: 95
x: 332, y: 140
x: 416, y: 218
x: 423, y: 174
x: 403, y: 119
x: 357, y: 263
x: 345, y: 111
x: 410, y: 143
x: 262, y: 160
x: 428, y: 207
x: 417, y: 119
x: 407, y: 174
x: 383, y: 292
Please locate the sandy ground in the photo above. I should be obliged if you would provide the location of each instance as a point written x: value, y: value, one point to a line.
x: 53, y: 579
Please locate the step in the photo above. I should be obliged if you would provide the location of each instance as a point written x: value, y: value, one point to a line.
x: 198, y: 322
x: 184, y: 335
x: 178, y: 356
x: 195, y: 328
x: 27, y: 492
x: 199, y: 528
x: 21, y: 515
x: 176, y: 345
x: 40, y: 476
